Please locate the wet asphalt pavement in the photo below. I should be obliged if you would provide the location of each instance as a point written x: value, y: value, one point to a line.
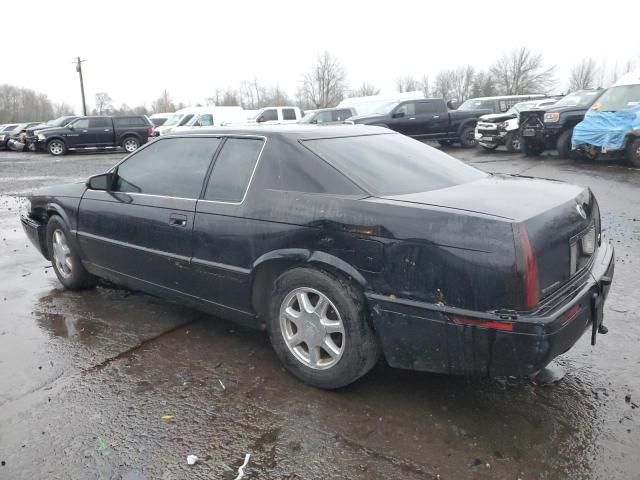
x: 86, y: 377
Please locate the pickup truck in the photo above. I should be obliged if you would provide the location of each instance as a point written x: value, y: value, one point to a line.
x: 427, y: 118
x: 97, y: 133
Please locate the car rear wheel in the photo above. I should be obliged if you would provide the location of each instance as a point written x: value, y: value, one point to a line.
x: 468, y: 137
x: 130, y: 144
x: 633, y: 153
x: 56, y: 147
x: 512, y: 142
x: 563, y: 144
x: 65, y: 260
x: 318, y: 326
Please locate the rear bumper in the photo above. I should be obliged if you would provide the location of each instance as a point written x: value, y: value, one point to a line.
x: 36, y: 233
x: 421, y: 336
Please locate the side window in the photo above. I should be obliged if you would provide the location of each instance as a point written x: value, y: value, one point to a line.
x: 233, y: 169
x: 407, y: 108
x: 426, y: 108
x: 270, y: 115
x: 503, y: 105
x: 323, y: 117
x: 173, y: 167
x: 288, y: 114
x: 99, y: 123
x: 204, y: 120
x: 185, y: 119
x: 340, y: 115
x: 82, y: 123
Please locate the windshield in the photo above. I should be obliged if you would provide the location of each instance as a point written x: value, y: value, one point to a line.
x: 518, y: 107
x: 386, y: 108
x: 581, y: 98
x: 175, y: 118
x: 617, y: 98
x: 393, y: 164
x: 60, y: 122
x: 475, y: 104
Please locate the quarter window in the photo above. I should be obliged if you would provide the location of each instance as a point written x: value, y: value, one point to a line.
x: 233, y: 169
x: 288, y: 114
x: 173, y: 167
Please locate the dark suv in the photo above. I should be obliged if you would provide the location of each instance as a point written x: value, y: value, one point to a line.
x: 97, y: 133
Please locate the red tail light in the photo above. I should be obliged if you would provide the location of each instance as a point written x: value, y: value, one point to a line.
x: 532, y: 290
x: 483, y: 323
x: 150, y: 132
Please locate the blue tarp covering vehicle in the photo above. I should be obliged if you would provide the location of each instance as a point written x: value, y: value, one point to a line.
x: 613, y: 122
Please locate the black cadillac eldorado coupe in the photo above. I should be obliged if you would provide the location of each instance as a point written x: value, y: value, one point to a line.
x: 345, y: 242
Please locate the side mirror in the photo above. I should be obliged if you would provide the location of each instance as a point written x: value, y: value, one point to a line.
x: 102, y: 181
x: 70, y: 126
x: 260, y: 119
x: 399, y: 114
x: 314, y: 121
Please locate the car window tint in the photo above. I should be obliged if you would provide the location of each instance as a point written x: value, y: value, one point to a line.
x: 233, y: 169
x: 269, y: 115
x: 173, y: 167
x: 323, y: 117
x: 205, y: 120
x: 82, y: 123
x: 130, y: 121
x: 99, y: 123
x: 392, y: 164
x: 288, y: 114
x: 426, y: 107
x: 340, y: 115
x: 185, y: 119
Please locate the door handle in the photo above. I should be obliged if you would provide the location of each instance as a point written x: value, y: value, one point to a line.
x: 176, y: 220
x: 107, y: 129
x: 436, y: 116
x: 412, y: 118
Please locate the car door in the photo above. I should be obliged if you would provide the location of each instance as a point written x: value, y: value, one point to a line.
x: 222, y: 236
x: 403, y: 118
x: 141, y: 228
x: 78, y: 135
x: 429, y: 121
x: 101, y: 131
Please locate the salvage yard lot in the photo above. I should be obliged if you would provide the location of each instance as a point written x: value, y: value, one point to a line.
x: 87, y: 376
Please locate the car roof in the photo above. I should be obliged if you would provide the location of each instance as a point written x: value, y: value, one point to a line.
x: 293, y: 131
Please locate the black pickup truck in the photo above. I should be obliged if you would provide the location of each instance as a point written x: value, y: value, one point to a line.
x: 426, y: 119
x: 552, y: 127
x: 97, y: 133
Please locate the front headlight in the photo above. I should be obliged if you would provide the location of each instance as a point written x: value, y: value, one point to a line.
x: 2, y: 137
x: 551, y: 117
x: 41, y: 136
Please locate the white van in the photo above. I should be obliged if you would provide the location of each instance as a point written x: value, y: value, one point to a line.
x: 159, y: 119
x: 275, y: 115
x: 209, y: 117
x: 178, y: 119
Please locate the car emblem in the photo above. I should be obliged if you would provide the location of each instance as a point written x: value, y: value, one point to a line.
x: 581, y: 211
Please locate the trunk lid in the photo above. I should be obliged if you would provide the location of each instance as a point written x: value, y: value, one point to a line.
x: 555, y: 216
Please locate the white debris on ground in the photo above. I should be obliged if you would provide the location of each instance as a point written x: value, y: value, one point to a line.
x: 192, y: 459
x: 243, y: 466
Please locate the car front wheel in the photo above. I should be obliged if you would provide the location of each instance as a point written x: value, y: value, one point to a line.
x: 633, y: 153
x: 56, y: 147
x: 64, y: 258
x: 468, y: 137
x: 318, y: 326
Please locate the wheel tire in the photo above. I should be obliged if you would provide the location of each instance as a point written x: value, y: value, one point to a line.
x: 467, y: 137
x: 76, y: 277
x: 512, y: 142
x: 130, y: 144
x: 531, y: 149
x: 563, y: 145
x: 444, y: 143
x: 359, y: 348
x: 56, y: 147
x: 633, y: 152
x: 489, y: 148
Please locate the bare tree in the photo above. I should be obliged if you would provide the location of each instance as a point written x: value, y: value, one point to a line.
x: 163, y: 103
x: 325, y: 85
x: 583, y: 75
x: 62, y: 109
x: 23, y: 105
x: 443, y: 87
x: 365, y: 90
x: 407, y: 83
x: 103, y: 103
x: 462, y: 82
x: 522, y: 71
x: 425, y: 86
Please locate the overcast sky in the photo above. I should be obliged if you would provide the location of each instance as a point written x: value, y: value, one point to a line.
x: 135, y: 49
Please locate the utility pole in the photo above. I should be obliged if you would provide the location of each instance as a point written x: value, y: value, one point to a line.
x: 79, y: 70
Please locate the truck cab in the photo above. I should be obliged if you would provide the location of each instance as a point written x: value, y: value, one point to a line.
x: 277, y: 115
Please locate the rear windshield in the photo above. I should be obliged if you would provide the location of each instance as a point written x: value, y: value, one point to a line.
x: 392, y: 164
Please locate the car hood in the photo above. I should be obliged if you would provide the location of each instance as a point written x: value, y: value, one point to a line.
x: 73, y: 190
x: 497, y: 117
x: 504, y: 196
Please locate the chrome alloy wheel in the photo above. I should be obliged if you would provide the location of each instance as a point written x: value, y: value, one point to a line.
x: 56, y: 148
x: 62, y: 253
x: 312, y: 328
x: 130, y: 145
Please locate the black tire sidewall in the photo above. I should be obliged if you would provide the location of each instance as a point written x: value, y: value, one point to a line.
x: 126, y: 139
x: 64, y: 147
x: 563, y: 145
x: 79, y: 278
x: 361, y: 346
x: 508, y: 142
x: 464, y: 142
x: 633, y: 156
